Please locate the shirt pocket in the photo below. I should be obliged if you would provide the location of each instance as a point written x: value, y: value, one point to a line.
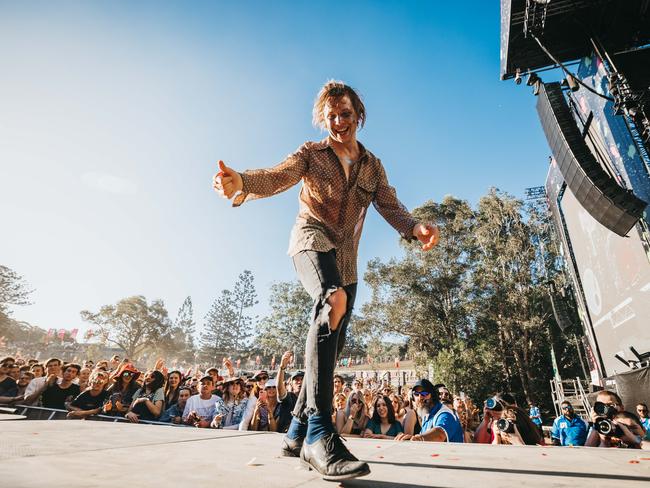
x: 365, y: 190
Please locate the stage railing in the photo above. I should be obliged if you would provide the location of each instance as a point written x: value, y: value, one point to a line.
x: 41, y: 413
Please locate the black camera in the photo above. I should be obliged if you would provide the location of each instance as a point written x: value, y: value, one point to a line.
x: 603, y: 410
x: 505, y: 425
x: 493, y: 404
x: 608, y: 428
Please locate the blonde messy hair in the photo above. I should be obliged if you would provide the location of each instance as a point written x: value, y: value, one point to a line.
x: 333, y: 90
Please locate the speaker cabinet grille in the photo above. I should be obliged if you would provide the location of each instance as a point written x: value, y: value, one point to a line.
x: 613, y: 206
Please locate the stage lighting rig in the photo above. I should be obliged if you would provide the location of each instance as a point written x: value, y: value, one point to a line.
x: 535, y: 81
x: 518, y: 77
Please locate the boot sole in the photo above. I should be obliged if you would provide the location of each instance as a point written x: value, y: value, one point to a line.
x: 289, y: 453
x: 336, y: 477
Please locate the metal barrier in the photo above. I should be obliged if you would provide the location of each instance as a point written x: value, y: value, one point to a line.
x: 42, y: 413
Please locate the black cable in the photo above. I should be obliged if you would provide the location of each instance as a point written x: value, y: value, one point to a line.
x: 568, y: 72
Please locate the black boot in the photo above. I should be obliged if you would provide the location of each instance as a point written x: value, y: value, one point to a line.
x: 332, y: 459
x: 291, y: 447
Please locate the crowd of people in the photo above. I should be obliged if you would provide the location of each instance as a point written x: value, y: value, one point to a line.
x: 363, y: 407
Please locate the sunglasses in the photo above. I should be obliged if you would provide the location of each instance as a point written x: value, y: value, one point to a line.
x: 355, y: 401
x: 567, y: 407
x: 262, y: 378
x: 421, y: 393
x: 127, y: 373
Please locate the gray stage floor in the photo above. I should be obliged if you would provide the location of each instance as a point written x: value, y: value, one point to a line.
x: 98, y: 454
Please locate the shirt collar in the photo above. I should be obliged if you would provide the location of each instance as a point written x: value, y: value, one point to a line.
x: 325, y: 143
x: 434, y: 410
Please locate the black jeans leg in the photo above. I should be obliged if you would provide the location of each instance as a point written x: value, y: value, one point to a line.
x: 319, y: 276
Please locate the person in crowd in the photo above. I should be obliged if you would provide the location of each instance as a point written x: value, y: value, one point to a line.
x: 439, y: 423
x: 174, y: 413
x: 8, y: 387
x: 484, y: 433
x: 90, y: 401
x: 14, y: 372
x: 338, y: 384
x: 347, y: 389
x: 114, y: 363
x: 460, y: 407
x: 444, y: 395
x: 89, y: 364
x: 340, y: 180
x: 519, y: 431
x: 38, y: 385
x: 368, y: 400
x: 57, y: 395
x: 267, y: 409
x: 630, y: 430
x: 102, y: 366
x: 21, y: 386
x: 568, y: 429
x: 123, y: 389
x: 411, y: 421
x: 149, y: 400
x: 235, y: 410
x: 386, y: 390
x: 354, y: 419
x: 398, y: 407
x: 338, y: 404
x: 174, y: 379
x: 287, y: 397
x: 535, y: 415
x: 84, y: 377
x: 612, y: 400
x: 260, y: 378
x: 357, y: 384
x: 200, y: 408
x: 642, y: 412
x: 383, y: 424
x: 38, y: 370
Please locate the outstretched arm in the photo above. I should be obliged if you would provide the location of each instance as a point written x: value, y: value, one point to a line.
x: 259, y: 183
x: 396, y: 214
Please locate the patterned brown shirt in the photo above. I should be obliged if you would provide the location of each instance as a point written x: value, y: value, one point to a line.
x: 332, y: 209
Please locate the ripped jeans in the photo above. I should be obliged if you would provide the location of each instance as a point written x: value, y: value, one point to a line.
x: 320, y: 277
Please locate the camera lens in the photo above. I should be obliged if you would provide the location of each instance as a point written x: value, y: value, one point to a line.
x: 605, y: 427
x: 505, y: 425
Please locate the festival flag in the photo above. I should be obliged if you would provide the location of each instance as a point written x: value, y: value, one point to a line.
x: 61, y: 334
x: 50, y: 333
x: 73, y: 333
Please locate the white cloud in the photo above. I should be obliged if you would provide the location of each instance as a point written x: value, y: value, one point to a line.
x: 109, y: 183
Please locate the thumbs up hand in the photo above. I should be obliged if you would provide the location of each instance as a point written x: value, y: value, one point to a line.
x: 427, y: 234
x: 227, y: 181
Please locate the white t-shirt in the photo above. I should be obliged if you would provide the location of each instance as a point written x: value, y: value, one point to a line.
x: 204, y: 408
x: 37, y: 383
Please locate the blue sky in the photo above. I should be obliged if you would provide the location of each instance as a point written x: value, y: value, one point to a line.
x: 114, y: 114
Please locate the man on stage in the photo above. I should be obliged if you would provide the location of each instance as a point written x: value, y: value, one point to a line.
x: 340, y: 179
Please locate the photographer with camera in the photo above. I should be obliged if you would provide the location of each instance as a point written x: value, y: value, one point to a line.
x: 492, y: 409
x: 568, y: 429
x: 514, y: 427
x: 613, y: 426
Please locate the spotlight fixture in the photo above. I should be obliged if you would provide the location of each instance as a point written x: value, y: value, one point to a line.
x: 532, y: 79
x: 518, y: 76
x: 572, y: 83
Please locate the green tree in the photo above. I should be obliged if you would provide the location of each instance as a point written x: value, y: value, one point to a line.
x: 426, y: 296
x: 228, y: 323
x: 512, y: 306
x: 14, y: 290
x: 131, y: 324
x: 287, y: 325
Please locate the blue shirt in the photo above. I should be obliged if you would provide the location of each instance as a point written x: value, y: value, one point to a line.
x: 570, y: 432
x: 169, y: 414
x: 446, y: 419
x: 535, y: 415
x: 646, y: 425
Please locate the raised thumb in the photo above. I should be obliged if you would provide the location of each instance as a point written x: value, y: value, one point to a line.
x: 222, y: 167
